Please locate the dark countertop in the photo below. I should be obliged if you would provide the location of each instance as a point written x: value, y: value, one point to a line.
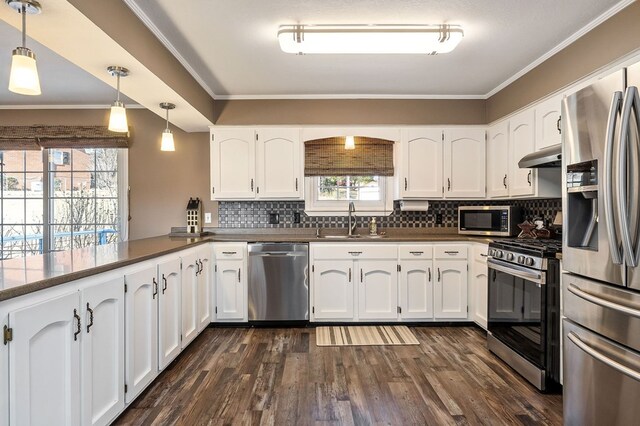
x: 32, y: 273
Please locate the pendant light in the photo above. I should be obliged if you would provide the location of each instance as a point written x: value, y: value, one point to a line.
x: 24, y: 78
x: 167, y: 137
x: 349, y: 142
x: 118, y: 116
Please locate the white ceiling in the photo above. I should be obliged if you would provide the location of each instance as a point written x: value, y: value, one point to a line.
x: 62, y: 83
x: 232, y: 49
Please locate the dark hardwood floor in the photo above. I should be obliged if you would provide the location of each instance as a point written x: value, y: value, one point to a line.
x: 280, y: 377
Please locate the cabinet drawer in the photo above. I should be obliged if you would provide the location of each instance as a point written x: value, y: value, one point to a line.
x: 450, y: 252
x: 355, y: 251
x: 416, y: 252
x: 229, y: 252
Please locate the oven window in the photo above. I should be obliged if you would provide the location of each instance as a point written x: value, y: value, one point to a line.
x: 515, y: 314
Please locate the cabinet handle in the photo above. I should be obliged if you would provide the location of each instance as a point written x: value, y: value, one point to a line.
x: 484, y: 255
x: 155, y: 288
x: 355, y: 253
x: 78, y: 329
x: 239, y: 275
x: 229, y: 252
x: 448, y: 184
x: 451, y: 252
x: 405, y: 184
x: 416, y: 253
x: 349, y: 274
x: 164, y: 283
x: 529, y: 177
x: 361, y: 279
x: 438, y: 274
x: 201, y: 267
x: 296, y: 184
x: 90, y: 317
x: 558, y: 125
x: 429, y: 269
x: 504, y: 181
x: 257, y: 189
x: 251, y: 185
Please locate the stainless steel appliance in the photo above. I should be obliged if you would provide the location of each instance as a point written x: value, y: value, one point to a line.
x: 489, y: 220
x: 524, y: 308
x: 278, y: 282
x: 601, y: 249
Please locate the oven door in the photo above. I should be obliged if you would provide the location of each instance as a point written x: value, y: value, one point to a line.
x: 517, y: 309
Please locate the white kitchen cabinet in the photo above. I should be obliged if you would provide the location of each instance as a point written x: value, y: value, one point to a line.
x: 333, y: 290
x: 498, y: 160
x: 451, y: 277
x: 231, y: 283
x: 421, y: 152
x: 189, y: 297
x: 378, y: 290
x: 522, y: 182
x: 233, y: 164
x: 44, y: 378
x: 141, y: 329
x: 548, y: 122
x: 279, y: 164
x: 479, y: 304
x: 205, y: 287
x: 102, y: 352
x: 416, y: 282
x: 464, y: 163
x: 169, y: 315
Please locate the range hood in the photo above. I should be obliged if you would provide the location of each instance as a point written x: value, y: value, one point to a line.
x: 546, y: 157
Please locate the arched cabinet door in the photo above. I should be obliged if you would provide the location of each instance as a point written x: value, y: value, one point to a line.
x: 332, y: 287
x: 378, y: 289
x: 464, y: 163
x: 421, y: 159
x: 233, y: 164
x: 279, y: 164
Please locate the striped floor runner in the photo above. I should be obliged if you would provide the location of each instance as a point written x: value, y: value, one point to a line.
x: 365, y: 336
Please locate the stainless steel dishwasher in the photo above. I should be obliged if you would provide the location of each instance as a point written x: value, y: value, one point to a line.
x: 278, y: 282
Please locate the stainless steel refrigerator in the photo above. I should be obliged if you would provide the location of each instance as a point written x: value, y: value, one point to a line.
x: 601, y: 251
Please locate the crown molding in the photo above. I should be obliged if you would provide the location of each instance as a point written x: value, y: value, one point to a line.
x: 343, y: 97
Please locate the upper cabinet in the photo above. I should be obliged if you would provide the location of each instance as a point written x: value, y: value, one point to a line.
x: 249, y: 164
x: 464, y: 163
x: 498, y: 160
x: 522, y: 142
x: 421, y: 163
x: 548, y: 122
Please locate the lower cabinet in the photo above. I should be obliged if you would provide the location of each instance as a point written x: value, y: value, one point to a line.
x: 231, y: 282
x: 333, y: 290
x: 205, y: 286
x: 378, y: 289
x: 450, y: 289
x: 189, y: 297
x: 479, y: 286
x: 169, y: 315
x: 416, y: 289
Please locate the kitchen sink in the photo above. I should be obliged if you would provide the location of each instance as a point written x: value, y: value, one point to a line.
x: 350, y: 237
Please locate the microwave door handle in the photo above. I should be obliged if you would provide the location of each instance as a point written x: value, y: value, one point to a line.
x: 607, y: 184
x: 622, y: 190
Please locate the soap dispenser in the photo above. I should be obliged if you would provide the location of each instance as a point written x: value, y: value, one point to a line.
x: 373, y: 227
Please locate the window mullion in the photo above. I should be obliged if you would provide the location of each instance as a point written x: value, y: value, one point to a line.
x: 47, y: 204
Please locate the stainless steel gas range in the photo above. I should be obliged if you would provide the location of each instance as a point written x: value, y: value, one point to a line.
x: 524, y: 308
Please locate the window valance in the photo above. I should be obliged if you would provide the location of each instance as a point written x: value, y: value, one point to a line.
x: 37, y: 137
x: 328, y: 157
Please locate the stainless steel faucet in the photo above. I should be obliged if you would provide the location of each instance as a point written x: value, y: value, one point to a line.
x: 352, y: 219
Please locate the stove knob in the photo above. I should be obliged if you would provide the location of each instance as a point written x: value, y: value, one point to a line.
x: 529, y: 261
x: 499, y: 254
x: 521, y: 259
x: 510, y: 256
x: 491, y: 252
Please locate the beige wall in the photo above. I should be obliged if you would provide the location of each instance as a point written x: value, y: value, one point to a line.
x: 161, y: 182
x: 614, y: 38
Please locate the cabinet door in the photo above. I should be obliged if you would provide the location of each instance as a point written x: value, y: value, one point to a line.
x: 189, y: 298
x: 169, y: 318
x: 102, y: 352
x: 548, y: 123
x: 332, y: 288
x: 421, y: 173
x: 205, y: 284
x: 231, y: 291
x: 278, y: 164
x: 232, y: 164
x: 464, y: 163
x: 416, y: 289
x: 480, y: 294
x: 378, y: 289
x: 44, y: 378
x: 498, y: 160
x: 141, y: 330
x: 450, y: 290
x: 521, y: 143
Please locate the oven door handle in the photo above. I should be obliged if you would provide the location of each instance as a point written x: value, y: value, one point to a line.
x: 517, y: 271
x: 603, y: 358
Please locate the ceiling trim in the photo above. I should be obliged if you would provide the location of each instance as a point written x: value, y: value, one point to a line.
x: 170, y: 47
x: 572, y: 38
x: 346, y: 96
x: 70, y: 106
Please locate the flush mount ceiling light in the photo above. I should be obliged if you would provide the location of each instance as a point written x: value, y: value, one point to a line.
x: 24, y: 72
x: 349, y: 142
x: 167, y: 137
x: 372, y: 39
x: 118, y: 116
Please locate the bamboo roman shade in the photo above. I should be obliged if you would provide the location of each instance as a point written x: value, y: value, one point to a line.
x: 328, y: 157
x: 37, y: 137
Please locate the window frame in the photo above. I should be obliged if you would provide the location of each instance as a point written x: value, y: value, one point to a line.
x: 315, y: 207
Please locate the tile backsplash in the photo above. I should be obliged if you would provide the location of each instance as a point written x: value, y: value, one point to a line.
x: 255, y: 214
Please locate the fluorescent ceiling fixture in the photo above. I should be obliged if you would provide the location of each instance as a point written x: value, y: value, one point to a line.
x: 372, y: 39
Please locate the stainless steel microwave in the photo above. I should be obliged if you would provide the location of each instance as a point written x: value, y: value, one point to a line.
x: 489, y: 220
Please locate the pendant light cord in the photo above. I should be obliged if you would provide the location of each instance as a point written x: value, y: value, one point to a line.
x: 118, y: 85
x: 167, y: 119
x: 24, y: 25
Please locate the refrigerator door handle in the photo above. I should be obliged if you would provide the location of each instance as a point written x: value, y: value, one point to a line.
x: 602, y: 357
x: 631, y: 98
x: 607, y: 184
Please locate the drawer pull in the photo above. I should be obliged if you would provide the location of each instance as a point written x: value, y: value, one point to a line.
x: 429, y: 274
x: 229, y: 252
x: 355, y: 253
x: 452, y: 252
x: 416, y: 253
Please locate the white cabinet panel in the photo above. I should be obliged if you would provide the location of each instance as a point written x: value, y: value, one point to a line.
x: 450, y: 289
x: 464, y: 163
x: 278, y: 164
x: 189, y: 298
x: 522, y: 141
x: 333, y: 289
x: 480, y: 294
x: 44, y: 379
x: 498, y: 160
x: 416, y: 289
x: 169, y: 323
x: 421, y: 162
x: 205, y: 286
x: 378, y: 290
x: 548, y: 123
x: 102, y: 352
x: 141, y: 330
x: 232, y: 164
x: 231, y: 290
